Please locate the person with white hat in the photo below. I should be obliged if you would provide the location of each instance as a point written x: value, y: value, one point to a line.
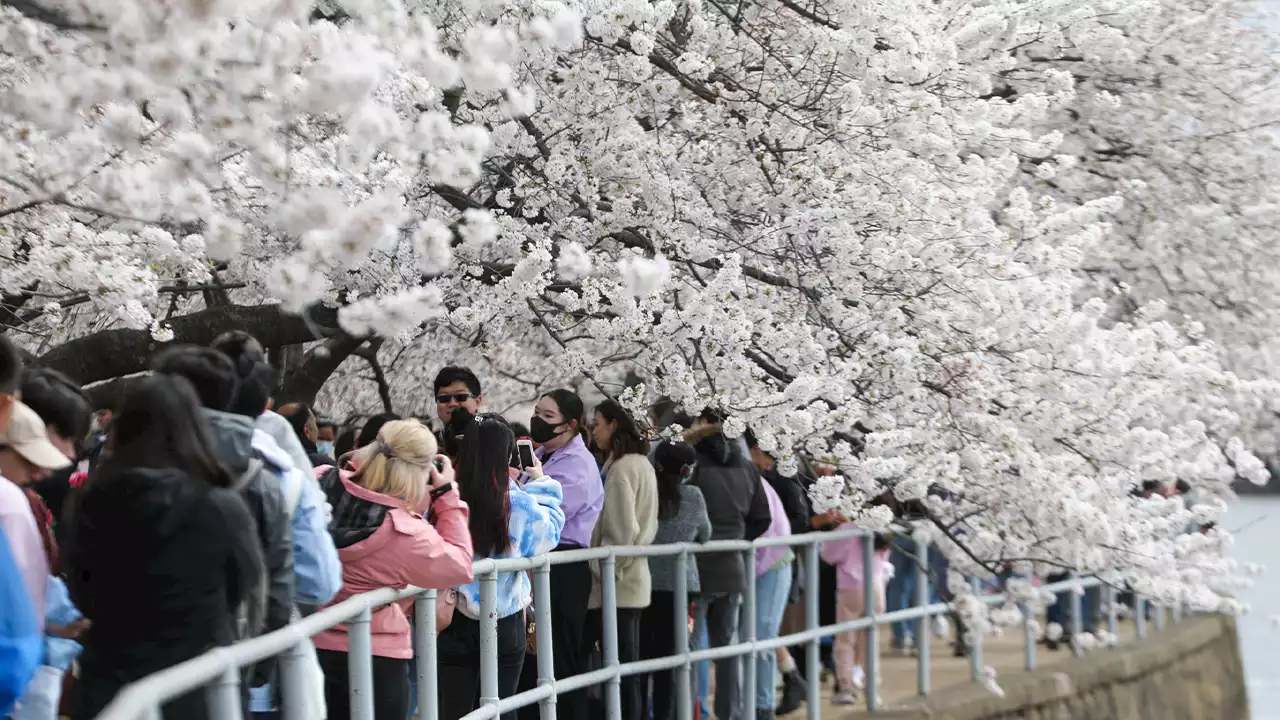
x: 26, y: 455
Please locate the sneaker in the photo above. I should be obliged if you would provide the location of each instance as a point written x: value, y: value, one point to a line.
x: 841, y: 697
x: 794, y: 693
x: 859, y: 678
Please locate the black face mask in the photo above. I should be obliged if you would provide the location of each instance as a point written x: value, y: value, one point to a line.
x: 541, y: 431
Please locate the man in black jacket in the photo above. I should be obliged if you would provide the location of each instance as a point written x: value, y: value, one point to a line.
x: 739, y: 510
x: 214, y: 378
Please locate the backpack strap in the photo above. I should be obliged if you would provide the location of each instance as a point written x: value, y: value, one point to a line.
x: 293, y: 492
x: 255, y: 467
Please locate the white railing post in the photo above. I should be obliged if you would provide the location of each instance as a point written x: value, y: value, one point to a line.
x: 489, y: 638
x: 360, y: 665
x: 424, y: 625
x: 1075, y: 605
x: 609, y: 631
x: 293, y: 702
x: 870, y: 593
x: 683, y: 689
x: 924, y: 629
x: 1110, y: 594
x: 543, y: 630
x: 1140, y: 615
x: 749, y: 615
x: 974, y: 641
x: 223, y: 696
x: 813, y: 662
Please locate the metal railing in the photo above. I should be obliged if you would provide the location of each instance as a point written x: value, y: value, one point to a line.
x: 219, y: 670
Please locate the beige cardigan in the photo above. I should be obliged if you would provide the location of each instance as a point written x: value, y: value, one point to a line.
x: 629, y: 517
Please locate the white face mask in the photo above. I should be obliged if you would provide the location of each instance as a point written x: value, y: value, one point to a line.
x: 325, y: 447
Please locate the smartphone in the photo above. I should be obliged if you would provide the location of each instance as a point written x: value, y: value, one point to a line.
x: 524, y: 446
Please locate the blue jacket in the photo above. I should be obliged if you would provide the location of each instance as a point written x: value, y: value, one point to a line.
x: 21, y: 643
x: 316, y: 569
x: 59, y: 610
x: 534, y: 528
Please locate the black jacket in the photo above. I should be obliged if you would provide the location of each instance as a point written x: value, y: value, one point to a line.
x: 158, y: 562
x: 736, y: 505
x: 233, y: 442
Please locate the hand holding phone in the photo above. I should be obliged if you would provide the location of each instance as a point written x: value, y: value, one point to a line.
x: 531, y: 465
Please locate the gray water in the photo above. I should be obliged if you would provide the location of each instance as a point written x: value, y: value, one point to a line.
x: 1256, y: 520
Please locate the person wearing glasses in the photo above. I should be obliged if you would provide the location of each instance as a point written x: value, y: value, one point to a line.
x: 457, y: 387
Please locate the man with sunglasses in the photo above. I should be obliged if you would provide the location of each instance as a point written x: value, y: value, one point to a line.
x: 456, y: 387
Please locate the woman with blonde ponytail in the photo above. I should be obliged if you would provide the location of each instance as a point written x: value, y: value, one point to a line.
x: 384, y: 540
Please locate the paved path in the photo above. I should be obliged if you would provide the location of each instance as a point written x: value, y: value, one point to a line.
x: 899, y: 689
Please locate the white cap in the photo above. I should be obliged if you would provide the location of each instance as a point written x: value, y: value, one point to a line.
x: 27, y: 436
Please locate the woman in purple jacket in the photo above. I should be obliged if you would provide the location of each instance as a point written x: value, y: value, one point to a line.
x: 558, y: 431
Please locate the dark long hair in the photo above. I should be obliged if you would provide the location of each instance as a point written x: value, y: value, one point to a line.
x: 158, y: 425
x: 571, y: 408
x: 671, y: 460
x: 482, y: 469
x: 627, y: 438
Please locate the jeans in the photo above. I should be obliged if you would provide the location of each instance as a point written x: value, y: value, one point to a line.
x: 772, y: 590
x: 459, y: 663
x: 901, y: 593
x: 1060, y: 611
x: 702, y: 668
x: 719, y: 613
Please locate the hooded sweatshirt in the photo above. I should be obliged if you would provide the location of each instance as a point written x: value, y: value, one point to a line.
x: 160, y: 562
x: 533, y: 528
x: 264, y: 496
x: 383, y: 544
x: 736, y: 505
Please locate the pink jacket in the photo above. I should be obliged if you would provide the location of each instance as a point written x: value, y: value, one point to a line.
x: 405, y: 549
x: 847, y: 556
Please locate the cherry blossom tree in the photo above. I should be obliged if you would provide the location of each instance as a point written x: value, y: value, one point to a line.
x: 830, y: 220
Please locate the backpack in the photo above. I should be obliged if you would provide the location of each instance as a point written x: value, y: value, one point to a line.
x: 252, y: 614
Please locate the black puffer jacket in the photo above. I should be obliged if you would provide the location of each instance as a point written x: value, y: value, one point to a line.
x: 158, y: 562
x: 233, y: 442
x: 736, y: 504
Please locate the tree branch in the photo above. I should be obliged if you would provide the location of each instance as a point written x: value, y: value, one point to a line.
x: 112, y: 353
x: 370, y: 355
x: 53, y: 18
x: 303, y: 383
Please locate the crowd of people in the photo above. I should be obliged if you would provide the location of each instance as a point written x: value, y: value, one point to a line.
x: 191, y: 514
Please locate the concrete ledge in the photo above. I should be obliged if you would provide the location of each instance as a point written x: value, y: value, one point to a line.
x: 1191, y: 671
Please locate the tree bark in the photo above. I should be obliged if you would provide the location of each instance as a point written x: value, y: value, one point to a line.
x: 303, y: 383
x: 370, y: 355
x: 112, y: 353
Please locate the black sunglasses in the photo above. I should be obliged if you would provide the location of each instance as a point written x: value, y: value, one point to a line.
x: 458, y: 398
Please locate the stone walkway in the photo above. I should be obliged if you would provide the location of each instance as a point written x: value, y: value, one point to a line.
x: 898, y: 689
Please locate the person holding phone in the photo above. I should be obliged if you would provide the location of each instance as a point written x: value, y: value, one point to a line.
x: 509, y: 520
x: 558, y: 432
x: 384, y: 541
